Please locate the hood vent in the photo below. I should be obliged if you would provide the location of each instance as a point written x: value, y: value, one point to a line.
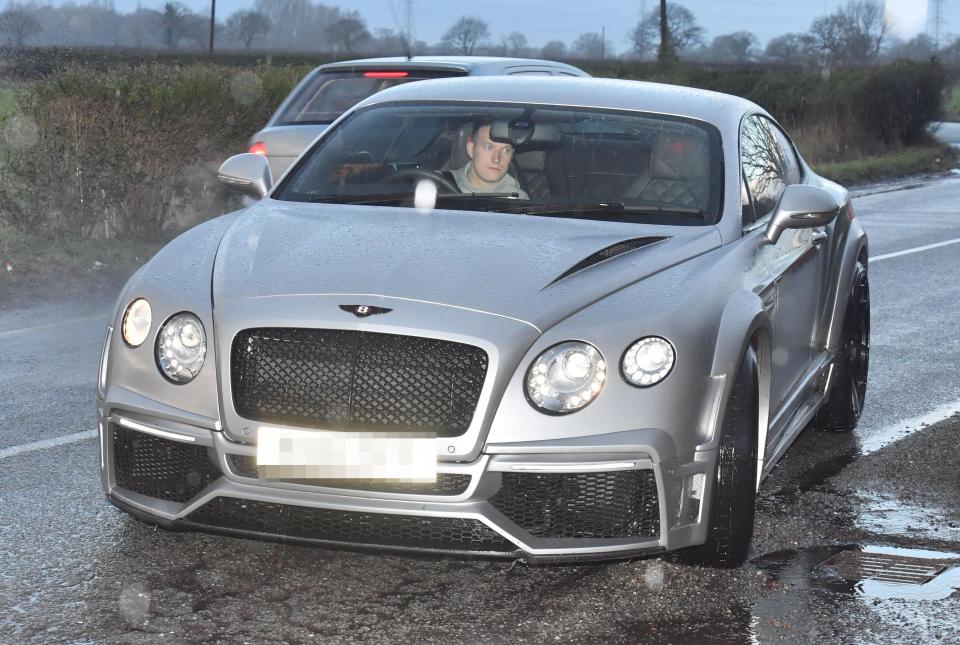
x: 608, y: 253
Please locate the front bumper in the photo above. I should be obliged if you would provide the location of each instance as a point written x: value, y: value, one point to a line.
x: 551, y: 506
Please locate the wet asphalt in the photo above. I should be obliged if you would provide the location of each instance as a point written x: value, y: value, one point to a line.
x: 74, y: 569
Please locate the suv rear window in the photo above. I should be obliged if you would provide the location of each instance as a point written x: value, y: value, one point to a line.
x: 327, y: 95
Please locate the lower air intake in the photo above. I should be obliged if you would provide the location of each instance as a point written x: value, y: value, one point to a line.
x: 620, y: 504
x: 348, y: 527
x: 160, y: 468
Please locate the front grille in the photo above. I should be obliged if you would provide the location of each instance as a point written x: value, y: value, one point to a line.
x: 160, y: 468
x: 358, y: 381
x: 348, y: 527
x: 620, y: 504
x: 446, y: 484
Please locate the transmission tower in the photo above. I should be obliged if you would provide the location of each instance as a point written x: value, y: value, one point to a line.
x: 935, y: 17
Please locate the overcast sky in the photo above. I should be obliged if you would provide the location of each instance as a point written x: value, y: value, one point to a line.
x: 544, y: 20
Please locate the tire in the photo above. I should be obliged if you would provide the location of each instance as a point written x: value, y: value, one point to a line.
x: 730, y: 525
x: 844, y: 404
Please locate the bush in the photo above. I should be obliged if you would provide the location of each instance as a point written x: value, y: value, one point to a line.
x: 132, y: 152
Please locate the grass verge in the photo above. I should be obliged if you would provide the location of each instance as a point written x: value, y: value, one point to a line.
x: 56, y: 267
x: 900, y: 163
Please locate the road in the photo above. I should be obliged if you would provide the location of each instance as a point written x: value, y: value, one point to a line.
x: 74, y: 569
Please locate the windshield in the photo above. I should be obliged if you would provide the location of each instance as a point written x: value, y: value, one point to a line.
x: 548, y: 161
x: 327, y: 95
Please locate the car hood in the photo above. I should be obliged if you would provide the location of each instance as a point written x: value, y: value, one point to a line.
x: 535, y: 269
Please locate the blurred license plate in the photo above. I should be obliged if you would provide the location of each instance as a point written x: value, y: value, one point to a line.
x: 284, y: 453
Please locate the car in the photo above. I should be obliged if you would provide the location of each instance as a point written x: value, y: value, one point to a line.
x: 595, y: 348
x: 331, y: 89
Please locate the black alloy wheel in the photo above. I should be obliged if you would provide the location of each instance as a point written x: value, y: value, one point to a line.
x: 732, y: 502
x: 844, y: 405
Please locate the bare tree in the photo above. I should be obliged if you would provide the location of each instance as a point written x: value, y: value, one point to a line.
x: 554, y: 50
x: 738, y: 47
x: 465, y: 34
x: 348, y: 31
x: 851, y: 35
x: 516, y: 43
x: 172, y: 20
x: 684, y: 31
x: 789, y: 48
x: 19, y: 24
x: 920, y: 47
x: 592, y: 46
x: 245, y: 25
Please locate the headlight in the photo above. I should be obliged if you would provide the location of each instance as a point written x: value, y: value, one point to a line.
x: 565, y: 378
x: 136, y: 322
x: 648, y: 361
x: 181, y: 347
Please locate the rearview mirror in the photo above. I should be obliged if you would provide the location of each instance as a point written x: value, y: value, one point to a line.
x: 802, y: 206
x: 247, y: 173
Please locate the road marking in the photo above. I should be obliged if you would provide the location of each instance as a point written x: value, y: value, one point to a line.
x: 75, y: 321
x: 47, y: 443
x: 899, y: 430
x: 918, y: 249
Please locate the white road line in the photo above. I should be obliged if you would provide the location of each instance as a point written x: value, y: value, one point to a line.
x: 918, y: 249
x: 884, y: 436
x: 47, y: 443
x: 75, y: 321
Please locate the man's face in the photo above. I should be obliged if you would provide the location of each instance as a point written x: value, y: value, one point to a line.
x: 490, y: 159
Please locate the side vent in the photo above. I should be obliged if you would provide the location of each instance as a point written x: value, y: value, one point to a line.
x: 608, y: 253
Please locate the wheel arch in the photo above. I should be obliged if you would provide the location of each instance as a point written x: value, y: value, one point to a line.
x: 852, y: 248
x: 744, y: 325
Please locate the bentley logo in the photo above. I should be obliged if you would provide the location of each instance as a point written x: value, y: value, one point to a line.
x: 362, y: 311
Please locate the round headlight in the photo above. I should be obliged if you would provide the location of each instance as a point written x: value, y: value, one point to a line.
x: 565, y: 377
x: 181, y: 347
x: 648, y: 361
x: 136, y: 322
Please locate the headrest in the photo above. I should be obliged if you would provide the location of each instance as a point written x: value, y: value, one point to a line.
x: 530, y: 160
x: 679, y: 158
x: 458, y: 152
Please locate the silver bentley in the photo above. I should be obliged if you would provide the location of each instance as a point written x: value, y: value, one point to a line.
x: 554, y: 319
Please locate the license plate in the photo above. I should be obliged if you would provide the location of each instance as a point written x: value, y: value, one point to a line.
x: 284, y: 453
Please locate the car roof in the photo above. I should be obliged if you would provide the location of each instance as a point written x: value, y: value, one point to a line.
x: 469, y: 64
x: 723, y: 110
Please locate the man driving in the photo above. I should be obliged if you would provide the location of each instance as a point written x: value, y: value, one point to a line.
x: 486, y: 172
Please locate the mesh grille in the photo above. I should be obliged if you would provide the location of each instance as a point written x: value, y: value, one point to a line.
x: 160, y: 468
x: 358, y: 381
x: 582, y: 505
x: 371, y: 529
x: 446, y: 484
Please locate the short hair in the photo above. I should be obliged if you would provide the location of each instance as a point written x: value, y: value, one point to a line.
x: 479, y: 123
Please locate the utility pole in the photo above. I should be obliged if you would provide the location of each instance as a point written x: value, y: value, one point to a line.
x: 213, y: 21
x: 665, y: 55
x: 408, y: 22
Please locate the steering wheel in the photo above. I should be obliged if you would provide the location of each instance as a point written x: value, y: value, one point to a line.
x: 423, y: 173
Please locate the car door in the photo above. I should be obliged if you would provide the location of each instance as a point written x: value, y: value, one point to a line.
x: 793, y: 267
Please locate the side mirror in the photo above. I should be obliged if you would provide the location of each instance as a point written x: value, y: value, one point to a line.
x: 248, y: 173
x: 801, y: 206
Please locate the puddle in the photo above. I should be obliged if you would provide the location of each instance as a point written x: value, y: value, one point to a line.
x: 871, y: 573
x: 891, y: 516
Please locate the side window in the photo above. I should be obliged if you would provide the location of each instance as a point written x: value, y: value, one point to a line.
x: 764, y: 164
x: 791, y: 166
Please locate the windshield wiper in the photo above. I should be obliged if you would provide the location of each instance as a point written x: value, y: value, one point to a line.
x: 602, y: 210
x: 389, y: 198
